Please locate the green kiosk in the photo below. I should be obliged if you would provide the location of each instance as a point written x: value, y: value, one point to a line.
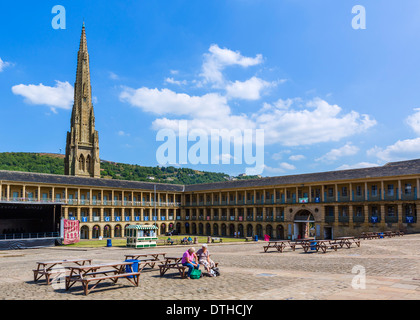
x: 141, y: 236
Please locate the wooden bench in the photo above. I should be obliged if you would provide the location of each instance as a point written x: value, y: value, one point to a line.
x: 88, y: 274
x: 177, y: 265
x: 133, y: 277
x: 55, y: 268
x: 248, y: 239
x: 213, y: 240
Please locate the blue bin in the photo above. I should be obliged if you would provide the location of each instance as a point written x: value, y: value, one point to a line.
x: 256, y: 238
x: 134, y: 266
x: 381, y: 236
x: 109, y: 243
x: 313, y: 245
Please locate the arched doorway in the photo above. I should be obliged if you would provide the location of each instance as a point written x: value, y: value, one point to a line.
x: 178, y: 228
x: 84, y: 232
x: 208, y: 229
x: 117, y: 231
x: 240, y: 230
x: 215, y: 229
x: 107, y: 231
x: 280, y: 232
x: 187, y: 228
x: 269, y: 230
x: 162, y: 229
x: 200, y: 229
x: 231, y: 229
x: 304, y: 221
x: 223, y: 230
x: 249, y: 230
x: 259, y: 231
x: 194, y: 229
x: 96, y: 232
x: 125, y: 230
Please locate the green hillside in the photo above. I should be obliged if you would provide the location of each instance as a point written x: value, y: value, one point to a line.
x: 54, y: 164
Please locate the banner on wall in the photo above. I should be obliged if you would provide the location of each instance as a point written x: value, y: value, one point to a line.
x: 70, y: 231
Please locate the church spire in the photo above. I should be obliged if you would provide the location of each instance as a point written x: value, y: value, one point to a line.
x: 82, y: 150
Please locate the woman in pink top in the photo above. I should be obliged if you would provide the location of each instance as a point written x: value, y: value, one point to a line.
x: 189, y: 259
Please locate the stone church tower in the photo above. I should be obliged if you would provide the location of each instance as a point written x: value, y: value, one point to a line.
x: 82, y: 148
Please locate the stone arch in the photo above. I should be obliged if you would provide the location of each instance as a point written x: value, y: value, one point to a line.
x: 107, y: 231
x: 163, y: 228
x: 232, y: 229
x: 223, y: 229
x: 200, y: 229
x: 82, y: 163
x: 241, y: 230
x: 117, y: 231
x: 280, y: 232
x: 249, y: 230
x: 96, y: 232
x: 194, y: 228
x: 88, y: 162
x: 208, y: 229
x: 269, y: 230
x: 84, y: 232
x: 259, y: 231
x: 215, y: 229
x: 125, y: 230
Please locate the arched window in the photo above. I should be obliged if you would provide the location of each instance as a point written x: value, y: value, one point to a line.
x: 81, y: 163
x: 88, y: 162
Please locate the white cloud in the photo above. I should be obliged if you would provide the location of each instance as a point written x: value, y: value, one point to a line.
x: 61, y: 96
x: 297, y: 157
x: 281, y: 168
x: 218, y: 59
x: 4, y: 65
x: 249, y: 89
x: 316, y: 121
x: 174, y: 72
x: 347, y: 150
x: 357, y: 166
x: 414, y: 121
x: 401, y: 150
x: 177, y: 82
x: 123, y: 134
x: 113, y: 76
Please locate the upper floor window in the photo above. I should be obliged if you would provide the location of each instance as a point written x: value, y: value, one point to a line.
x: 374, y: 190
x: 344, y: 191
x: 330, y: 192
x: 358, y: 190
x: 407, y: 188
x: 390, y: 189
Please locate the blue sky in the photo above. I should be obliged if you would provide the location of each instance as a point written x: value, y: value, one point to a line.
x: 326, y: 95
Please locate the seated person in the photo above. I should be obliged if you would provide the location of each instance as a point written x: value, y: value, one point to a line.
x: 204, y: 258
x: 190, y: 240
x: 189, y: 259
x: 170, y: 240
x: 185, y: 240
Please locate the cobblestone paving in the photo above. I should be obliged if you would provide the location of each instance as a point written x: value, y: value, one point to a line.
x: 392, y: 268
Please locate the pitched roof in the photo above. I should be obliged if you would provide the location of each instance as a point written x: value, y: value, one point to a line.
x: 401, y: 168
x: 30, y: 177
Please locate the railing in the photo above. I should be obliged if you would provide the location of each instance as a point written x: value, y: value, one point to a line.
x: 329, y: 218
x: 344, y: 219
x: 39, y: 235
x: 358, y: 219
x: 391, y: 219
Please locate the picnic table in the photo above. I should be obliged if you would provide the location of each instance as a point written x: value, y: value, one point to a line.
x: 173, y: 262
x: 348, y: 241
x: 145, y: 259
x: 48, y: 268
x: 95, y: 273
x: 278, y: 244
x: 314, y: 244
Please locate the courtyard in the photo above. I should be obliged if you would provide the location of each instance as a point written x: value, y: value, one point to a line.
x: 391, y: 266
